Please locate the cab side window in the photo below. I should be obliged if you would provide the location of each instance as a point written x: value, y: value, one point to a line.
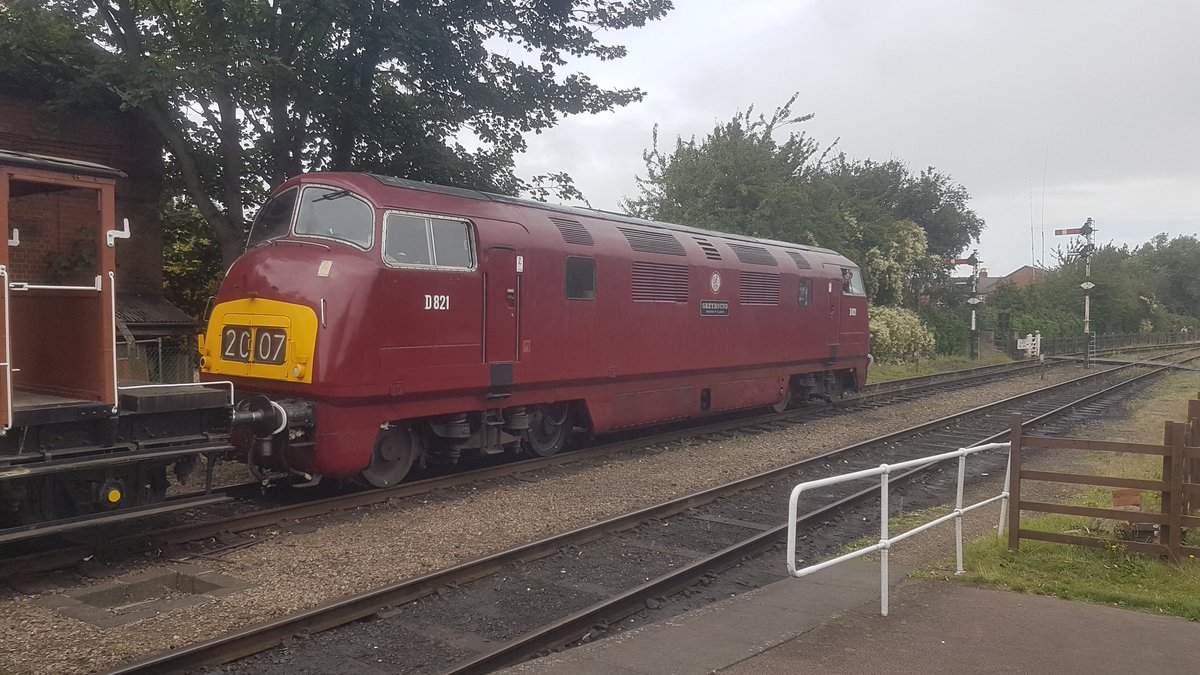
x: 852, y: 283
x: 427, y: 241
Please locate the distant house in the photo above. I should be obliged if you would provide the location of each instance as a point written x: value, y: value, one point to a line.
x: 986, y: 285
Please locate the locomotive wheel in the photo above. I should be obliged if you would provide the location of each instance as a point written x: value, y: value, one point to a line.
x: 395, y: 452
x: 783, y: 403
x: 548, y: 430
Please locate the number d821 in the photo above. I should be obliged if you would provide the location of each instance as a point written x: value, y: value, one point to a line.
x: 440, y: 303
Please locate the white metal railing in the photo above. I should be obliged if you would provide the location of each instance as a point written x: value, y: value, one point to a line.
x: 25, y: 286
x: 886, y: 541
x: 7, y: 364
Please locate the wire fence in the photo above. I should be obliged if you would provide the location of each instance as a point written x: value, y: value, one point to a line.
x: 166, y: 360
x: 1078, y: 345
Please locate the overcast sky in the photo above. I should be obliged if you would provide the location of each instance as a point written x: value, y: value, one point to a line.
x: 1101, y: 100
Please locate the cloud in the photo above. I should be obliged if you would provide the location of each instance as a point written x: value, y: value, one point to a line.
x: 1096, y: 98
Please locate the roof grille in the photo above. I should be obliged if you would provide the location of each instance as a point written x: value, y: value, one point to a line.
x: 759, y: 288
x: 573, y: 231
x: 753, y: 255
x: 652, y: 242
x: 710, y: 251
x: 660, y: 282
x: 801, y: 261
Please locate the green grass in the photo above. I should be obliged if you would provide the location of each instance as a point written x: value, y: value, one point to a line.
x: 886, y: 372
x: 1108, y: 576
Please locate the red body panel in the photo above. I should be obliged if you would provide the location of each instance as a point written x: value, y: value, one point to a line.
x: 381, y: 355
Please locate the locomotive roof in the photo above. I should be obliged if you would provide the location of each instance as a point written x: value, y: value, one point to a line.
x: 62, y: 164
x: 599, y: 214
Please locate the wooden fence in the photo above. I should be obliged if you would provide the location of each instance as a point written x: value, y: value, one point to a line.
x: 1178, y: 487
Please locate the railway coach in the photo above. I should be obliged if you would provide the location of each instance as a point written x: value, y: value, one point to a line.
x: 374, y: 323
x: 77, y: 445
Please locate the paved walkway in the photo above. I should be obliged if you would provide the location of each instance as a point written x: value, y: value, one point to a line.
x: 830, y: 623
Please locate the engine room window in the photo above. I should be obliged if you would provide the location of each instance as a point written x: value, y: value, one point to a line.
x: 581, y: 279
x: 805, y: 296
x: 417, y: 240
x: 274, y: 219
x: 336, y: 214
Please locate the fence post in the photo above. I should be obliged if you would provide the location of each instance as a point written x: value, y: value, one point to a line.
x: 1193, y: 439
x: 1175, y: 434
x: 1165, y: 533
x: 1014, y: 485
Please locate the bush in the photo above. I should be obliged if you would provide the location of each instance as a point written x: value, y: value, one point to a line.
x: 951, y: 329
x: 897, y: 336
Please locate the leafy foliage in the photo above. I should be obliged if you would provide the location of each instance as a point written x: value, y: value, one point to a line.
x: 192, y: 265
x: 951, y: 329
x: 1150, y: 288
x: 897, y: 335
x: 248, y: 92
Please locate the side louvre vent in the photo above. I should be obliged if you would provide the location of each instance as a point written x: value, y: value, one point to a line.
x: 759, y: 288
x: 660, y: 282
x: 801, y: 261
x: 710, y: 251
x: 652, y: 242
x: 573, y: 231
x: 754, y: 255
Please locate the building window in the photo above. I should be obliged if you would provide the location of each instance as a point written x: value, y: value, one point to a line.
x: 581, y: 278
x: 805, y: 296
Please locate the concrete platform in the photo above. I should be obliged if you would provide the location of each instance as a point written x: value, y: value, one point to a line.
x: 830, y: 623
x: 725, y: 633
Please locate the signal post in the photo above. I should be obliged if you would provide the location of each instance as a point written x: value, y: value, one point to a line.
x: 1085, y: 251
x: 974, y: 300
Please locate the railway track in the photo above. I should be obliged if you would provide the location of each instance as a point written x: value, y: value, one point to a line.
x: 241, y: 514
x: 492, y: 612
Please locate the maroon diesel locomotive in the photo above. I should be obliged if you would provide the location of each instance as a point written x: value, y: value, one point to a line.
x: 375, y: 322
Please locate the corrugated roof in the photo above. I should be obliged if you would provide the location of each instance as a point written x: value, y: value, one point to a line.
x: 46, y: 162
x: 143, y: 313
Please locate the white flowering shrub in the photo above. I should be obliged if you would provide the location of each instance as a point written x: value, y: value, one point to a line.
x: 898, y: 335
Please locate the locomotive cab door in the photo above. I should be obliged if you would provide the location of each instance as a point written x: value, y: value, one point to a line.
x: 833, y: 327
x: 502, y: 295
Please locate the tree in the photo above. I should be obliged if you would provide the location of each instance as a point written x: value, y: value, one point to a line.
x: 888, y: 190
x: 248, y: 92
x: 738, y: 179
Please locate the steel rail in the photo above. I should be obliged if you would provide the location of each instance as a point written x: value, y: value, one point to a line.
x: 340, y: 611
